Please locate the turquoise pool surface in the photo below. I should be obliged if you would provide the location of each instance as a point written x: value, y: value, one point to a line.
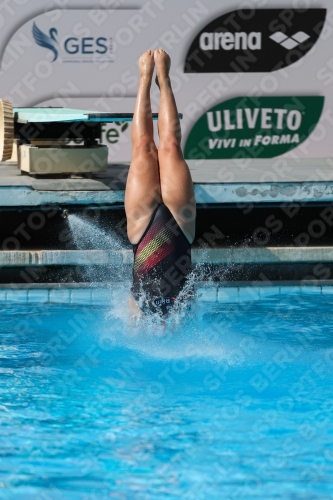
x: 232, y: 401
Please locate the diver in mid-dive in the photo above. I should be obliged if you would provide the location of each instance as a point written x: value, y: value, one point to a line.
x: 159, y: 198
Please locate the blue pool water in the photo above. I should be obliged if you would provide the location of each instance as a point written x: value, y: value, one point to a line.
x: 234, y: 401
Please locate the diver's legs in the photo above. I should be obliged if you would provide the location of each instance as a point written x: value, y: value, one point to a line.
x: 175, y: 178
x: 143, y: 192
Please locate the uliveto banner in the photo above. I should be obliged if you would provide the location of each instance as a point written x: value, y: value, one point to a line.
x: 253, y: 127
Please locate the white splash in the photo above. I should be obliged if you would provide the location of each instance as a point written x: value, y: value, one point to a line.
x: 87, y: 235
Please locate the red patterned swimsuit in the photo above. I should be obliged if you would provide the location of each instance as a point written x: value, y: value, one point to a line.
x: 162, y: 261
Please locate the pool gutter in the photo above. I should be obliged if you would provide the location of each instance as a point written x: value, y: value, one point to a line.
x: 268, y: 255
x: 94, y: 294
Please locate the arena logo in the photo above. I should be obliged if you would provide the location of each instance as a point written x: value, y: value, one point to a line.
x: 229, y: 41
x: 254, y: 40
x: 75, y: 49
x: 253, y: 127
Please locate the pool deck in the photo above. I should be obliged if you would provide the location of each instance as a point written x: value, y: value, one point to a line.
x: 215, y: 183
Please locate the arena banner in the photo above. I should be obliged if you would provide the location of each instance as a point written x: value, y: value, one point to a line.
x: 260, y: 40
x: 75, y: 54
x: 253, y: 127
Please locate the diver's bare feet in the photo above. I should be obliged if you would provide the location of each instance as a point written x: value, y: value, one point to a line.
x: 162, y: 63
x: 146, y: 64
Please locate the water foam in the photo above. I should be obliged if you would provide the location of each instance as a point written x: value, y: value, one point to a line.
x: 183, y: 333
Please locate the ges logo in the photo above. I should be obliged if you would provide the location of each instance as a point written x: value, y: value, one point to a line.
x: 72, y: 45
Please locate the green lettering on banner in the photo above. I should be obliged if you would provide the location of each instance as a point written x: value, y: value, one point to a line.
x: 112, y: 135
x: 253, y: 127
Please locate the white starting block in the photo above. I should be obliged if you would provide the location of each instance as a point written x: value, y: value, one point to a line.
x: 41, y: 136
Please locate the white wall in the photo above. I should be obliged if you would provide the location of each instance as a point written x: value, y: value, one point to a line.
x: 30, y: 78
